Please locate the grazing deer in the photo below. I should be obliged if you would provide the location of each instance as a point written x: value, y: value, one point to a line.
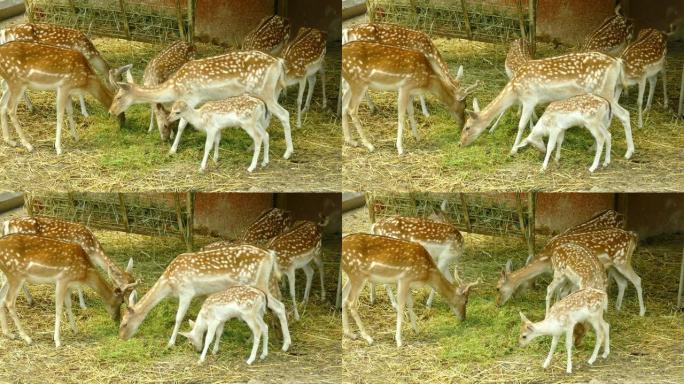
x: 643, y: 60
x: 441, y: 240
x: 590, y: 111
x: 603, y: 220
x: 576, y: 267
x: 269, y: 224
x: 59, y: 36
x: 613, y: 246
x: 158, y: 70
x: 399, y: 36
x: 35, y: 259
x: 203, y: 273
x: 304, y: 57
x: 611, y: 37
x: 386, y: 260
x: 244, y: 302
x: 270, y: 36
x: 246, y: 112
x: 215, y: 78
x: 26, y: 65
x: 296, y: 249
x: 79, y: 234
x: 546, y: 80
x: 518, y: 55
x: 583, y: 306
x: 367, y: 65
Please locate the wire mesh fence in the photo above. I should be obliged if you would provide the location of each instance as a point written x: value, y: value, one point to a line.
x: 154, y: 215
x: 150, y: 21
x: 481, y: 20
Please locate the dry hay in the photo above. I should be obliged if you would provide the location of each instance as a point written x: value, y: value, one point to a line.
x: 129, y: 159
x: 437, y: 163
x: 97, y: 355
x: 484, y: 348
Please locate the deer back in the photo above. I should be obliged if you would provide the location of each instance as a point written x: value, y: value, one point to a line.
x: 602, y: 220
x: 307, y: 49
x: 579, y: 261
x: 167, y: 62
x: 37, y: 258
x: 649, y: 49
x: 594, y: 300
x: 614, y: 243
x: 614, y: 32
x: 269, y: 36
x: 417, y: 229
x: 518, y: 55
x: 270, y: 223
x: 302, y: 239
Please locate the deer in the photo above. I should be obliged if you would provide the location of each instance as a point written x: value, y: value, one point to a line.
x: 442, y: 241
x: 26, y: 65
x: 593, y: 112
x: 245, y: 111
x: 304, y: 58
x: 602, y: 220
x: 51, y: 34
x: 643, y: 60
x: 270, y: 36
x: 241, y: 301
x: 400, y: 36
x: 158, y: 70
x: 613, y: 246
x: 518, y: 55
x: 611, y: 37
x: 583, y: 306
x: 79, y: 234
x: 215, y: 78
x: 35, y: 259
x: 297, y: 249
x: 382, y: 259
x: 367, y: 65
x: 269, y: 224
x: 547, y: 80
x: 203, y: 273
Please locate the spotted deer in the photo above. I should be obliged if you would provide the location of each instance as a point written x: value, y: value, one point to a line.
x: 304, y: 58
x: 643, y: 60
x: 215, y: 78
x: 35, y: 259
x: 203, y: 273
x: 158, y: 70
x: 613, y: 246
x: 602, y: 220
x: 51, y: 34
x: 241, y: 301
x: 26, y: 65
x: 269, y: 224
x: 400, y: 36
x: 368, y: 65
x: 270, y: 36
x: 382, y: 259
x: 611, y: 37
x: 246, y: 112
x: 79, y: 234
x: 297, y: 249
x: 590, y: 111
x: 583, y: 306
x: 442, y: 241
x: 546, y: 80
x: 518, y: 55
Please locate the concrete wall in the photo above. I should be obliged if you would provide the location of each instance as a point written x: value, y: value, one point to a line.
x: 569, y: 21
x: 652, y: 214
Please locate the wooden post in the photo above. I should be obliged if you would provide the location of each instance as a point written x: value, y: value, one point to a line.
x: 521, y: 19
x: 179, y: 216
x: 338, y: 296
x: 521, y: 216
x: 466, y: 20
x: 122, y: 5
x: 680, y: 293
x: 466, y: 216
x: 681, y: 96
x: 370, y: 204
x: 191, y: 20
x: 123, y: 211
x: 532, y: 10
x: 532, y: 211
x: 189, y: 214
x: 179, y: 18
x: 28, y: 203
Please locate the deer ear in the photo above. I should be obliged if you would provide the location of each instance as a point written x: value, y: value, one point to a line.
x: 132, y: 298
x: 524, y: 318
x: 192, y: 323
x: 124, y: 86
x: 476, y: 105
x: 509, y: 264
x: 459, y: 73
x: 185, y: 334
x: 471, y: 114
x: 129, y: 267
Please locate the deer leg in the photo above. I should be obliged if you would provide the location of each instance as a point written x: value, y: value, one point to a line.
x: 183, y: 304
x: 423, y: 106
x: 568, y: 348
x: 606, y: 338
x: 346, y: 289
x: 13, y: 103
x: 311, y: 81
x: 4, y: 101
x: 264, y: 334
x: 309, y: 272
x: 279, y: 309
x: 10, y: 304
x: 217, y: 337
x: 553, y: 136
x: 281, y: 114
x: 350, y: 302
x: 623, y: 115
x: 181, y: 127
x: 3, y: 311
x: 61, y: 292
x: 412, y: 120
x: 29, y: 104
x: 81, y: 298
x: 300, y: 96
x: 325, y: 99
x: 554, y: 344
x: 84, y: 111
x: 629, y: 274
x: 265, y: 142
x: 256, y: 337
x: 621, y: 285
x: 350, y: 109
x: 208, y: 144
x: 390, y: 295
x: 527, y: 110
x: 640, y: 101
x: 598, y: 330
x: 217, y: 144
x: 608, y: 140
x: 596, y: 131
x: 62, y: 99
x: 559, y: 145
x: 369, y: 101
x: 211, y: 331
x: 402, y: 103
x: 553, y: 286
x: 70, y: 119
x: 151, y: 127
x: 496, y: 123
x: 371, y: 287
x: 402, y: 294
x: 665, y: 100
x: 651, y: 91
x: 27, y: 293
x: 412, y: 315
x: 70, y: 313
x: 319, y: 263
x: 256, y: 137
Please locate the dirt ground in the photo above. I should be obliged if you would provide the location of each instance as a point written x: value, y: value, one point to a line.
x: 437, y: 163
x: 109, y: 158
x: 96, y: 354
x: 484, y: 348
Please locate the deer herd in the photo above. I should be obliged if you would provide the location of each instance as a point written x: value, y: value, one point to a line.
x: 240, y: 278
x: 240, y: 88
x: 413, y: 252
x: 582, y: 87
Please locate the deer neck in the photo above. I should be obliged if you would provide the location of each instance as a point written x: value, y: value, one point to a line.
x: 504, y: 100
x: 442, y: 285
x: 193, y: 116
x: 443, y: 87
x: 528, y: 272
x: 164, y: 93
x: 101, y: 287
x: 548, y: 326
x: 159, y: 291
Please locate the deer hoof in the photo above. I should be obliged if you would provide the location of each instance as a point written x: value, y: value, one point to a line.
x: 352, y: 143
x: 350, y: 335
x: 288, y: 154
x: 29, y: 147
x: 11, y: 143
